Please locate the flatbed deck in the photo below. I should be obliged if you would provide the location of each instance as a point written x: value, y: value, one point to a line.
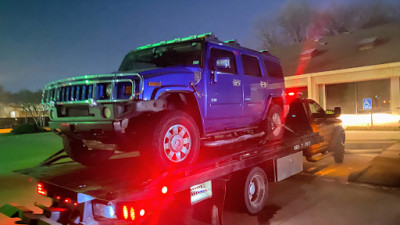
x: 127, y: 178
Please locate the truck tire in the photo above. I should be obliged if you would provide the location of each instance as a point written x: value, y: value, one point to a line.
x: 338, y: 147
x: 81, y: 154
x: 175, y: 140
x: 272, y: 123
x: 255, y: 190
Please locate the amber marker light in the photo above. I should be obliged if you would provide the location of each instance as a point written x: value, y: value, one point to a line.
x: 132, y: 213
x: 125, y: 212
x: 128, y: 90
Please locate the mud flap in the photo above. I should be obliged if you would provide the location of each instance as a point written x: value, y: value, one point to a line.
x: 211, y: 210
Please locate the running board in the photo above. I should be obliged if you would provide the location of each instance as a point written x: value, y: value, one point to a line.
x: 217, y: 133
x: 233, y: 140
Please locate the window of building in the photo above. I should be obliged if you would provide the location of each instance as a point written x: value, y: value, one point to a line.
x: 251, y: 65
x: 349, y: 96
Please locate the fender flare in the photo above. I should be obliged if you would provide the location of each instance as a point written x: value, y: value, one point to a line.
x: 270, y: 101
x: 158, y: 94
x: 170, y: 89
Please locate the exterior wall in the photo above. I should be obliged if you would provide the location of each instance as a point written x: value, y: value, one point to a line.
x: 316, y: 82
x: 11, y: 112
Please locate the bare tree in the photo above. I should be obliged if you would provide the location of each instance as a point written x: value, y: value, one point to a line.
x: 294, y: 19
x: 299, y: 20
x: 38, y: 112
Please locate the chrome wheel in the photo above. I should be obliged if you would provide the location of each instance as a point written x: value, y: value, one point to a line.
x: 275, y: 124
x: 177, y: 143
x: 256, y: 191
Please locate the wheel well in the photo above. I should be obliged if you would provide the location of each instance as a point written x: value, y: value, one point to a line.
x: 186, y: 102
x: 277, y: 101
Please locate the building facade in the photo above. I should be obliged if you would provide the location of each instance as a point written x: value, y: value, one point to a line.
x: 344, y: 70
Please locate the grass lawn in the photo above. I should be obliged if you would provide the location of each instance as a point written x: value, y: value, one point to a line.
x: 26, y: 150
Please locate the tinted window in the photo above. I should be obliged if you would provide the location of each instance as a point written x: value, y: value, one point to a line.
x: 219, y: 53
x: 181, y: 54
x: 316, y: 110
x: 251, y: 66
x: 274, y: 69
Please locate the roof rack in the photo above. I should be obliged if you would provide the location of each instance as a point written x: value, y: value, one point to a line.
x: 232, y: 41
x: 176, y: 40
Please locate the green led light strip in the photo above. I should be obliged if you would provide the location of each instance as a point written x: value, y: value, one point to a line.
x: 192, y: 37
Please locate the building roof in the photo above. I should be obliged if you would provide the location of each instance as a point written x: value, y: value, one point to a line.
x: 365, y: 47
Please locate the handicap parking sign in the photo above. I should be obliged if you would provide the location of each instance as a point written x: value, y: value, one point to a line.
x: 367, y: 104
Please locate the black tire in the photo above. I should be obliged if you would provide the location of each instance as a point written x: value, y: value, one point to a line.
x: 174, y: 140
x: 78, y: 152
x: 272, y: 124
x: 255, y: 192
x: 338, y: 147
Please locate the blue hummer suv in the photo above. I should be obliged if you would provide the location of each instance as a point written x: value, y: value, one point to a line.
x: 167, y: 99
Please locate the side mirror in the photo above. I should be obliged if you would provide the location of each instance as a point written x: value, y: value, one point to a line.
x: 214, y: 76
x: 222, y: 63
x: 337, y: 111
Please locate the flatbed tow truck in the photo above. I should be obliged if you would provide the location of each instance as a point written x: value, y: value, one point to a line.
x: 125, y: 191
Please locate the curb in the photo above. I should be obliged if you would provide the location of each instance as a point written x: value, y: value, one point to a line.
x: 364, y: 151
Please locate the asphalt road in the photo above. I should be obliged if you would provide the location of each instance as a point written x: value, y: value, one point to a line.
x: 322, y: 195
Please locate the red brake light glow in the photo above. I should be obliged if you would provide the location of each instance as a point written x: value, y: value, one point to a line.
x: 40, y: 189
x: 291, y: 93
x: 67, y: 200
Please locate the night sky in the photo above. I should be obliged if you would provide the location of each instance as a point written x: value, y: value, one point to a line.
x: 46, y: 40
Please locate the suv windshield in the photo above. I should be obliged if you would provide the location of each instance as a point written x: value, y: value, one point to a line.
x: 181, y: 54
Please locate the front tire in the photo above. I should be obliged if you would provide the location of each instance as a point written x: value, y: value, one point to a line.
x: 338, y: 148
x: 175, y: 141
x: 78, y: 152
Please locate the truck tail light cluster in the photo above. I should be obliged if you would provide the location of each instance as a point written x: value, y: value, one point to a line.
x: 40, y: 189
x: 128, y: 211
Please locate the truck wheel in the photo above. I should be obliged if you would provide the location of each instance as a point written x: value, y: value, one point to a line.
x: 338, y: 148
x: 255, y: 190
x: 78, y: 152
x: 176, y: 140
x: 272, y: 123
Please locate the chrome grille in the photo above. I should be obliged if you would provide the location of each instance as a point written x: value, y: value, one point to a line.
x: 86, y: 93
x: 75, y: 93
